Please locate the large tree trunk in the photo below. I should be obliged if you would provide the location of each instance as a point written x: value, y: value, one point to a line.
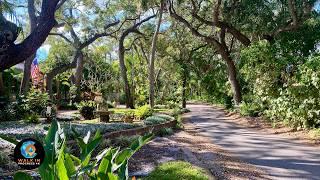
x: 152, y: 57
x: 232, y: 76
x: 2, y: 89
x: 49, y: 81
x: 78, y: 75
x: 58, y: 94
x: 24, y: 86
x: 123, y: 69
x: 184, y: 89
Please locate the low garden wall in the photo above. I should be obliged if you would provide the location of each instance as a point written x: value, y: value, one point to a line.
x: 137, y: 131
x: 141, y: 130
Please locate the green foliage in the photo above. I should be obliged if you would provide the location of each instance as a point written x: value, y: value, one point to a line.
x: 36, y: 101
x: 282, y: 87
x: 165, y: 116
x: 143, y: 112
x: 157, y: 119
x: 22, y: 176
x: 121, y: 141
x: 33, y: 118
x: 298, y: 104
x: 178, y: 170
x: 63, y: 105
x: 249, y: 109
x: 87, y: 109
x: 172, y: 104
x: 154, y: 120
x: 8, y: 113
x: 110, y: 163
x: 165, y: 132
x: 4, y: 159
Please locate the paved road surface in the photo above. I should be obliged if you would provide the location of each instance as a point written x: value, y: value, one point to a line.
x: 280, y: 157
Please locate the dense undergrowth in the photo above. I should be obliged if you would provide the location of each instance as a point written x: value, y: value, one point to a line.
x: 278, y: 83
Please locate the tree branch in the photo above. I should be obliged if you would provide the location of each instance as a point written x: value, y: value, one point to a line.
x: 62, y: 36
x: 17, y: 53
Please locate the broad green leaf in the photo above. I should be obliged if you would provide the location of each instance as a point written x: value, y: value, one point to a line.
x: 105, y: 164
x: 123, y: 155
x: 61, y: 169
x: 123, y: 170
x: 22, y: 176
x: 71, y: 169
x: 112, y: 176
x: 76, y: 160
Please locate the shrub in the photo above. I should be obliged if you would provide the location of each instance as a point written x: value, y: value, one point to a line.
x: 143, y: 112
x: 165, y: 116
x: 176, y: 112
x: 172, y: 105
x: 249, y: 109
x: 8, y: 114
x: 122, y: 141
x: 128, y: 117
x: 184, y: 110
x: 165, y: 132
x: 158, y: 106
x: 15, y: 110
x: 33, y: 118
x: 4, y: 159
x: 36, y: 101
x: 67, y: 106
x: 153, y: 120
x: 87, y: 109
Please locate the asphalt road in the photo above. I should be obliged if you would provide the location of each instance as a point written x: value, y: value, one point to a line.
x: 279, y: 156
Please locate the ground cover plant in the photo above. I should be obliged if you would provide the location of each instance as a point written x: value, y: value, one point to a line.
x: 178, y: 170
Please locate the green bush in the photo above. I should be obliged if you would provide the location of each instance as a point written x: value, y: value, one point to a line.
x: 33, y: 118
x: 87, y: 108
x: 165, y: 116
x: 249, y: 109
x: 282, y: 87
x: 143, y: 112
x: 157, y: 119
x: 36, y: 101
x: 8, y: 114
x: 165, y: 132
x: 4, y: 159
x: 67, y: 106
x: 185, y: 110
x: 122, y: 141
x: 172, y: 105
x: 17, y: 110
x: 159, y: 106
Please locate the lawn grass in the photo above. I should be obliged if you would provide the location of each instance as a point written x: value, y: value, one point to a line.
x: 177, y: 170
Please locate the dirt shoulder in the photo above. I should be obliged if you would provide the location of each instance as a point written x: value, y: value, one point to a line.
x: 189, y: 146
x: 260, y: 124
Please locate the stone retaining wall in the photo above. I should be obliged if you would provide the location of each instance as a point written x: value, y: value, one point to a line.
x: 141, y: 130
